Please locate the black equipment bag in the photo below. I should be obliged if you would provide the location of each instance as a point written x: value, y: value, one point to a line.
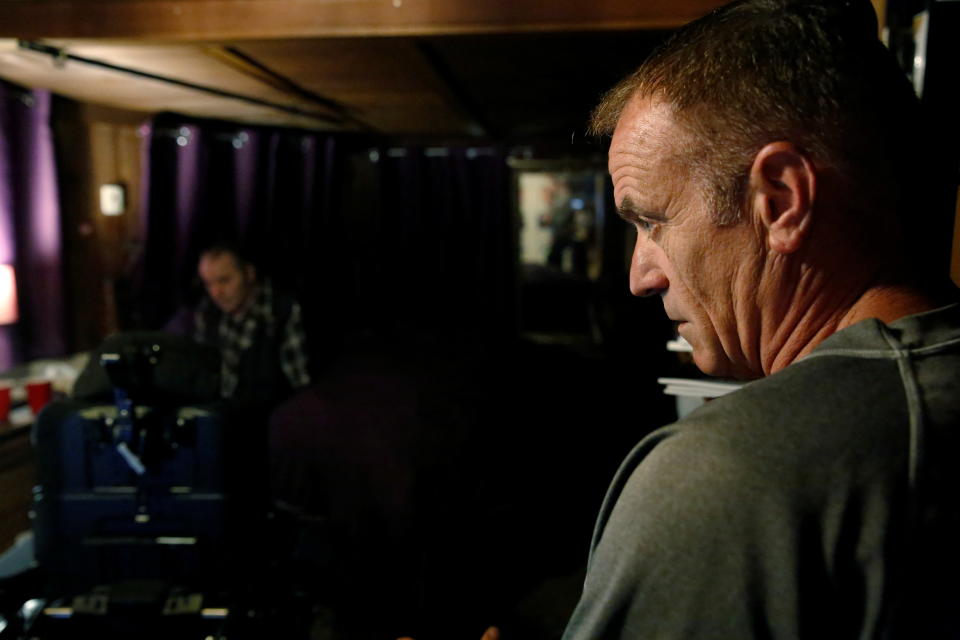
x: 159, y: 368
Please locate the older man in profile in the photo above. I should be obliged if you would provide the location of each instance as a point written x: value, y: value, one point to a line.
x: 765, y: 156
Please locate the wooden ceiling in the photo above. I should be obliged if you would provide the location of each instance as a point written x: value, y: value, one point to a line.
x: 452, y: 68
x: 195, y: 20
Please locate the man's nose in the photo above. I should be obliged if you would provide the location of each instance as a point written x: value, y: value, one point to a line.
x: 646, y: 272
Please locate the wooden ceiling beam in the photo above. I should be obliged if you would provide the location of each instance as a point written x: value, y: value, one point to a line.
x: 197, y: 20
x: 250, y: 66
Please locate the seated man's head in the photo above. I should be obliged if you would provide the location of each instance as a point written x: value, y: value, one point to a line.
x: 763, y: 143
x: 229, y: 279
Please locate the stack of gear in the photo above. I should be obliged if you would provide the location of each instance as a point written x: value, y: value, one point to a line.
x: 136, y: 510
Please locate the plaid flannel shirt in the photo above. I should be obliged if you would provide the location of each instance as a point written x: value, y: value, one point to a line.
x: 237, y: 333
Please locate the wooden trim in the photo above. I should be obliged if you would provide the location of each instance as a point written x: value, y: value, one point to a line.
x: 242, y: 19
x: 8, y: 433
x: 17, y: 476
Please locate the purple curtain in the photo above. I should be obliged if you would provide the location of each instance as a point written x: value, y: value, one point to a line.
x: 30, y: 237
x: 445, y: 239
x: 397, y: 241
x: 258, y: 188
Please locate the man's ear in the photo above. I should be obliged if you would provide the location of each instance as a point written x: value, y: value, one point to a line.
x: 251, y: 272
x: 782, y: 190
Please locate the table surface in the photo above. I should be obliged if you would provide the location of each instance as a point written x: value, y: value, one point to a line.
x: 17, y: 423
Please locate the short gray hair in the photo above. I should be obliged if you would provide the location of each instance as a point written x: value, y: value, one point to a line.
x: 812, y: 72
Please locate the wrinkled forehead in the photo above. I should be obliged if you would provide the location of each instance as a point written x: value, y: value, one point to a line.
x: 646, y: 134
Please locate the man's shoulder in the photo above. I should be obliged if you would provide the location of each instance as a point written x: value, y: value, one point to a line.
x: 847, y: 401
x: 285, y: 299
x: 810, y: 405
x: 803, y: 421
x: 277, y: 300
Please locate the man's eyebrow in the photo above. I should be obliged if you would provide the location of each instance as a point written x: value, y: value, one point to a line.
x: 627, y: 210
x: 632, y: 212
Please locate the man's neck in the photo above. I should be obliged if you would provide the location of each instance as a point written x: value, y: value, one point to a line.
x: 889, y: 303
x: 812, y: 315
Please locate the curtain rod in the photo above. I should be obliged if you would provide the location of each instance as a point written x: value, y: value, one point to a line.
x: 59, y: 54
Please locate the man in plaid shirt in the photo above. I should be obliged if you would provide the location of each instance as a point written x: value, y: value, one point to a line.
x: 259, y: 331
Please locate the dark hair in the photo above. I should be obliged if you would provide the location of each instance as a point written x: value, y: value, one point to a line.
x: 226, y: 247
x: 756, y: 71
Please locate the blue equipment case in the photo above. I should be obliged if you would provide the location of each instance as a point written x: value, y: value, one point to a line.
x: 158, y: 511
x: 135, y: 489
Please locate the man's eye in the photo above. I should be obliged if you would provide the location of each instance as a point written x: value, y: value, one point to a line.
x: 644, y: 225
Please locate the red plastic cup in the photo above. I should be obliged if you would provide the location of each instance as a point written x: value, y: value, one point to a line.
x: 4, y: 403
x: 39, y: 393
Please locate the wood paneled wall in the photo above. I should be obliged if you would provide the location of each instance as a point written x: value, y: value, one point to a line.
x: 97, y: 146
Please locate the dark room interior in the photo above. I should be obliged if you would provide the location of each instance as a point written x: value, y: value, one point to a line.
x: 402, y: 168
